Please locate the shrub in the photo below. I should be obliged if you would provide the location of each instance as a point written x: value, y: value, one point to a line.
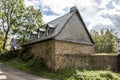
x: 36, y: 64
x: 94, y: 75
x: 26, y: 56
x: 10, y: 54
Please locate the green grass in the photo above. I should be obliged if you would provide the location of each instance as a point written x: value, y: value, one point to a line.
x: 95, y: 75
x: 43, y: 71
x: 67, y: 74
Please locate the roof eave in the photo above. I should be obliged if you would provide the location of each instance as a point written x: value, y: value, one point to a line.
x: 42, y: 40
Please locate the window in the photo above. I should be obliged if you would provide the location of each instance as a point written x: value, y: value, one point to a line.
x: 41, y: 32
x: 50, y: 28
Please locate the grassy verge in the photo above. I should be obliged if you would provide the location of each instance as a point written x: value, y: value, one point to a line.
x: 43, y: 71
x: 67, y: 74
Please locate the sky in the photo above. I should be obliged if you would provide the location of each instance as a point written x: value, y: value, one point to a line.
x: 97, y: 14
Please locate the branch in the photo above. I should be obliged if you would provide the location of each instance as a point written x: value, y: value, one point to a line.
x: 3, y: 24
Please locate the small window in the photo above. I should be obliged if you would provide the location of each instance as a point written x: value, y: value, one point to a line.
x: 50, y: 28
x: 33, y: 35
x: 41, y: 32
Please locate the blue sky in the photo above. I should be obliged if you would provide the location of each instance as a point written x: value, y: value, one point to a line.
x: 97, y: 14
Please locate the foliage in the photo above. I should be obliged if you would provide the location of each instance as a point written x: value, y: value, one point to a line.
x: 8, y: 9
x: 1, y: 41
x: 8, y: 55
x: 18, y: 20
x: 105, y: 41
x: 32, y: 63
x: 26, y: 57
x: 66, y: 74
x: 94, y: 75
x: 35, y: 64
x: 28, y: 63
x: 29, y: 21
x: 41, y: 70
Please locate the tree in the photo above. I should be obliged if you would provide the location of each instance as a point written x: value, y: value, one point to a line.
x: 18, y: 20
x: 8, y: 10
x: 105, y: 41
x: 30, y: 21
x: 1, y: 40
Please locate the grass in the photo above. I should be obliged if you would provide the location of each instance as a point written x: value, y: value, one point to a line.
x: 95, y: 75
x: 43, y: 71
x: 67, y: 74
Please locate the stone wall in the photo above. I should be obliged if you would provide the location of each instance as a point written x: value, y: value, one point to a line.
x: 60, y: 55
x: 87, y: 61
x: 45, y: 51
x: 71, y: 61
x: 68, y: 54
x: 65, y: 47
x: 104, y: 61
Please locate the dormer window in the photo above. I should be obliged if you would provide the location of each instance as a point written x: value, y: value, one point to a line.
x: 34, y: 35
x: 41, y: 32
x: 50, y: 28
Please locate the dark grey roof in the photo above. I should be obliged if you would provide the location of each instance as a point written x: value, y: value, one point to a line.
x: 60, y: 23
x: 118, y: 39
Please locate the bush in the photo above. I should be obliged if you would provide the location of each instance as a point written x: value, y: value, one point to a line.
x: 94, y: 75
x: 36, y: 65
x: 33, y: 63
x: 26, y: 56
x: 10, y: 54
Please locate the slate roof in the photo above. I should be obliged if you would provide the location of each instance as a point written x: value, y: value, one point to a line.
x: 60, y: 23
x: 118, y: 40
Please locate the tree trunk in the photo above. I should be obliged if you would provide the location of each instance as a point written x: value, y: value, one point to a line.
x: 5, y: 40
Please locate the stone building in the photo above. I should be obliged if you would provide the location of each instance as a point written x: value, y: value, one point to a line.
x: 61, y: 43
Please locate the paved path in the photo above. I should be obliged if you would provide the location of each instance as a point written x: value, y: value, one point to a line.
x: 9, y: 73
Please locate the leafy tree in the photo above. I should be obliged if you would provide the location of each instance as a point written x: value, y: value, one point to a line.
x: 30, y: 21
x: 105, y: 41
x: 18, y: 20
x: 8, y: 8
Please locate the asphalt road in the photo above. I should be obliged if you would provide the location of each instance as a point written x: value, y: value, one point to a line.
x: 9, y: 73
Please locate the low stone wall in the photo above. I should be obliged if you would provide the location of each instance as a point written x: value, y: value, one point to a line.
x: 104, y: 62
x: 71, y: 61
x: 87, y: 61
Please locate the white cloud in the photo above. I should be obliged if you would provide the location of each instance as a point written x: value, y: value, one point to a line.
x: 92, y: 11
x: 116, y: 4
x: 34, y: 3
x: 85, y: 7
x: 102, y: 3
x: 58, y: 6
x: 107, y: 18
x: 49, y: 18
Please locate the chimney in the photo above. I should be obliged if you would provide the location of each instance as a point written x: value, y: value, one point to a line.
x: 74, y: 8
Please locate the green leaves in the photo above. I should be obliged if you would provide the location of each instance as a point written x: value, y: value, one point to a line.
x: 1, y: 40
x: 30, y: 20
x: 105, y: 41
x: 18, y: 20
x: 0, y: 14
